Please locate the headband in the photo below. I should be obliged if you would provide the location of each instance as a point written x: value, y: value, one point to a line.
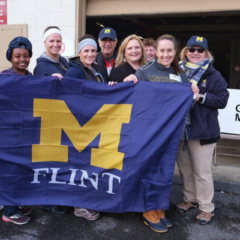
x: 87, y: 41
x: 51, y: 31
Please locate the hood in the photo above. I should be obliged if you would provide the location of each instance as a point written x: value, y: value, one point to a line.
x: 45, y: 58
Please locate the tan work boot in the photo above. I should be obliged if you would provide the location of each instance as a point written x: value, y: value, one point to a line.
x: 151, y: 219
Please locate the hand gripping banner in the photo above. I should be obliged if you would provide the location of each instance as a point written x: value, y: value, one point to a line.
x: 85, y: 144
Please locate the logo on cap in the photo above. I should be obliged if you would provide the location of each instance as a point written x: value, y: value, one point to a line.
x: 199, y: 39
x: 107, y: 31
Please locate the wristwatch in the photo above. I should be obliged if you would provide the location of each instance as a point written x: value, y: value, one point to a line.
x: 201, y: 98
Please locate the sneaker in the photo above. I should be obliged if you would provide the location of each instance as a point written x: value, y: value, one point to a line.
x: 17, y: 218
x: 151, y: 219
x: 56, y: 210
x: 86, y: 213
x: 1, y: 208
x: 25, y: 210
x: 185, y: 206
x: 204, y: 217
x: 163, y: 219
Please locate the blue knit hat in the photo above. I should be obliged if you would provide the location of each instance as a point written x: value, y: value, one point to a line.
x: 198, y: 41
x: 18, y: 42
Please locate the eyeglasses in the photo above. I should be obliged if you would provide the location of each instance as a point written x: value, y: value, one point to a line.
x: 199, y: 50
x: 108, y: 40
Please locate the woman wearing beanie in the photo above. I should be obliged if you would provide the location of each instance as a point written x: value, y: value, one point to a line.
x: 51, y: 63
x: 19, y: 53
x: 202, y: 131
x: 83, y: 66
x: 164, y: 69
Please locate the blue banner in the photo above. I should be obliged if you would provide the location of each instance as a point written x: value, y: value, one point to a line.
x: 86, y: 144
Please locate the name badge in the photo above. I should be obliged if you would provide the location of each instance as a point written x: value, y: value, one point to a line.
x: 175, y: 77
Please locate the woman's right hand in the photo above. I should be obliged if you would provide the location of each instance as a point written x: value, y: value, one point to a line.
x: 60, y: 76
x: 130, y: 78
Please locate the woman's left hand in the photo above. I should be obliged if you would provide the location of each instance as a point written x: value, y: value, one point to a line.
x: 60, y: 76
x: 195, y: 89
x: 111, y: 83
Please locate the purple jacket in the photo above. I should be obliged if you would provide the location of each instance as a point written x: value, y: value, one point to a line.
x: 10, y: 71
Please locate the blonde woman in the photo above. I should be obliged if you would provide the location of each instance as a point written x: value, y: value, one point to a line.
x: 131, y: 55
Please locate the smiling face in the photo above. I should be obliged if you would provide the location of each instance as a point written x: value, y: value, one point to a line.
x: 150, y: 51
x: 195, y: 57
x: 20, y: 60
x: 133, y: 51
x: 165, y: 52
x: 107, y: 46
x: 53, y: 45
x: 88, y: 55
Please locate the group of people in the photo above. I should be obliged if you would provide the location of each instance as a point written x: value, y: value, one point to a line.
x: 137, y: 60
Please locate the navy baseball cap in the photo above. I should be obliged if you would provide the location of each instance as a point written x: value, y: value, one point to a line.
x: 18, y: 42
x: 198, y: 41
x: 107, y: 33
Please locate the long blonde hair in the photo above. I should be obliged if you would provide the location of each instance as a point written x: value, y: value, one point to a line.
x: 183, y: 54
x: 121, y: 51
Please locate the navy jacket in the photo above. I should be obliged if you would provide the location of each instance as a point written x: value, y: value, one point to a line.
x: 78, y: 70
x: 46, y: 67
x: 204, y: 117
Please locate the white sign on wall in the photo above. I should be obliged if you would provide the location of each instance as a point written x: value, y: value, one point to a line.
x: 229, y: 117
x: 68, y: 48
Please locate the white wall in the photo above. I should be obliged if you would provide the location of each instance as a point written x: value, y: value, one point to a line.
x: 39, y: 14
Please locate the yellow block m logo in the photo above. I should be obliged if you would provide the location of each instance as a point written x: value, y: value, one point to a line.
x: 107, y: 31
x: 56, y: 116
x: 199, y: 39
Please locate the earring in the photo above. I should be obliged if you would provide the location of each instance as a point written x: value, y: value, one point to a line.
x: 124, y: 59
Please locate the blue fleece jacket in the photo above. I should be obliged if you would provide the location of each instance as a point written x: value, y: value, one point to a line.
x: 46, y: 66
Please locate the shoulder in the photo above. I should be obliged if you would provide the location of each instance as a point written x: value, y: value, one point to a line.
x: 148, y: 65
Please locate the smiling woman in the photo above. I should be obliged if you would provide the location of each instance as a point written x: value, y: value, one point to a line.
x: 50, y: 62
x: 18, y: 53
x: 83, y: 66
x: 131, y: 55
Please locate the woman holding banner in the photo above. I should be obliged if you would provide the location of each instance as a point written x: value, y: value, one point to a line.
x: 202, y: 130
x: 131, y: 55
x: 164, y: 69
x: 51, y: 63
x: 18, y: 53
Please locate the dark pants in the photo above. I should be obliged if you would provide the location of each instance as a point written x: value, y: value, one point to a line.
x: 10, y: 210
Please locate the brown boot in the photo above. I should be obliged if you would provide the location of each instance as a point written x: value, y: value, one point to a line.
x: 151, y: 219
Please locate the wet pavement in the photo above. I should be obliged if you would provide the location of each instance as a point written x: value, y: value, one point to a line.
x: 224, y: 226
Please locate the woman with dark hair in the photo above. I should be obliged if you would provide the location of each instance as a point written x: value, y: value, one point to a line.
x: 131, y: 55
x: 51, y: 63
x: 164, y: 69
x: 202, y: 130
x: 19, y: 53
x: 84, y: 66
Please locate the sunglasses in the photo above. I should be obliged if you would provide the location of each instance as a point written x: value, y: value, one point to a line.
x: 199, y: 50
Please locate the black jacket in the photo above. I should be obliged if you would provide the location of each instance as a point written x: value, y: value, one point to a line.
x: 102, y: 65
x: 120, y: 72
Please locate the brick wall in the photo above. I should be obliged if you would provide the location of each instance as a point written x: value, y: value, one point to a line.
x: 39, y: 14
